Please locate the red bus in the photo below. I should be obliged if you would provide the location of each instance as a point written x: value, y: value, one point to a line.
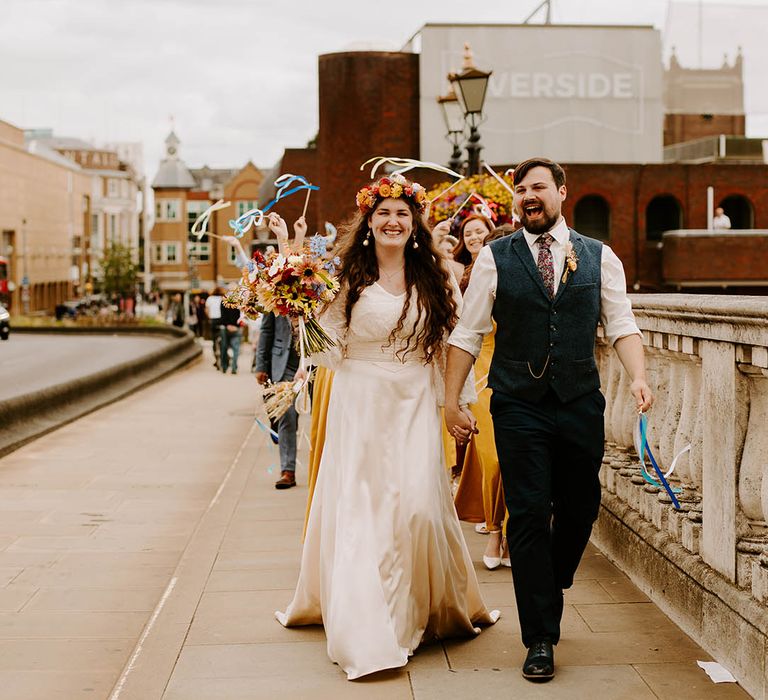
x: 4, y: 265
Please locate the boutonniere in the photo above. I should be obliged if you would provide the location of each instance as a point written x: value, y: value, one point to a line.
x: 571, y: 261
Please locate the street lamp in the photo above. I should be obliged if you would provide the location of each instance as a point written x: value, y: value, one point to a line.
x: 472, y: 84
x: 453, y: 115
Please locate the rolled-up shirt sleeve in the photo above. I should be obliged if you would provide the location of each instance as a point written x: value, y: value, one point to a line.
x: 476, y: 316
x: 615, y: 308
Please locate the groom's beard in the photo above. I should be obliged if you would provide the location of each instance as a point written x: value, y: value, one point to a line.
x: 542, y: 224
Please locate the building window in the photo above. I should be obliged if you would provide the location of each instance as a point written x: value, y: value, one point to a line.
x: 663, y: 213
x: 164, y: 253
x: 167, y: 209
x: 201, y: 252
x: 113, y: 187
x: 194, y: 209
x: 592, y: 217
x: 232, y: 255
x: 112, y: 226
x: 172, y: 252
x: 245, y: 205
x: 94, y: 224
x: 739, y: 210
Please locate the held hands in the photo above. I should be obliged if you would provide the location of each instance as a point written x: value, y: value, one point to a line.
x: 642, y: 394
x: 262, y: 377
x: 460, y: 422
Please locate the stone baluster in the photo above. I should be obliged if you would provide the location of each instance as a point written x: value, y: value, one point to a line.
x: 720, y: 448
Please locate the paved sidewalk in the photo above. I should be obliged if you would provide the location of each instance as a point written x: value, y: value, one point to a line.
x: 144, y: 550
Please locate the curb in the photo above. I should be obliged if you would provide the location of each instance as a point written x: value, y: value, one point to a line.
x: 27, y: 417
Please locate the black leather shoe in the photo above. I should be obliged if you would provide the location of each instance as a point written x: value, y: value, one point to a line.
x: 540, y: 663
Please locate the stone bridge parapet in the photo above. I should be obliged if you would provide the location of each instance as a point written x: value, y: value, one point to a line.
x: 706, y: 564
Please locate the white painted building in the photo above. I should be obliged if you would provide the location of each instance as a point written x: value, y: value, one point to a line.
x: 573, y: 93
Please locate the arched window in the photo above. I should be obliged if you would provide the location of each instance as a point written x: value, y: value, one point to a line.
x: 592, y: 217
x: 663, y: 213
x: 739, y: 210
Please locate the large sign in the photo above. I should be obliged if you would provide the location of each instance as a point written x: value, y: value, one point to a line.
x: 576, y: 94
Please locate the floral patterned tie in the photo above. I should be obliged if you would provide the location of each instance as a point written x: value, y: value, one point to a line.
x: 544, y: 263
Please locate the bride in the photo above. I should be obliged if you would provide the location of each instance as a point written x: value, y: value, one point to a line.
x: 384, y: 565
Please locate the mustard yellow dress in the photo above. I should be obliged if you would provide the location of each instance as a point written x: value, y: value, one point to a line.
x: 480, y: 495
x: 321, y: 396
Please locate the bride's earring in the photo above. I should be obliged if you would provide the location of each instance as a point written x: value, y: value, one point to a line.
x: 415, y: 242
x: 366, y: 240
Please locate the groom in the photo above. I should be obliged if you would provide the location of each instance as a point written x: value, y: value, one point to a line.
x: 546, y: 287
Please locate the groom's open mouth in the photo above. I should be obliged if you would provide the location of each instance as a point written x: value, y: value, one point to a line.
x: 533, y: 210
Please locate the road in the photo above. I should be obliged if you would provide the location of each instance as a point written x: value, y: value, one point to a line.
x: 32, y: 361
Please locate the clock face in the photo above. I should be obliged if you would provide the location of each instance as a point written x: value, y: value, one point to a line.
x: 171, y: 150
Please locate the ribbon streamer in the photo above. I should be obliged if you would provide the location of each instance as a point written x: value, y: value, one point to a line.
x: 484, y: 208
x: 500, y: 179
x: 303, y: 400
x: 463, y: 204
x: 272, y: 443
x: 255, y: 217
x: 442, y: 192
x: 200, y: 227
x: 643, y: 448
x: 403, y: 165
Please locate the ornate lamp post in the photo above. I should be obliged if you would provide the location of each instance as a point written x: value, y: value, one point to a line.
x: 453, y: 115
x: 470, y: 88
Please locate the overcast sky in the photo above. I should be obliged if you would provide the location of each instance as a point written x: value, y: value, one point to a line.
x: 239, y: 76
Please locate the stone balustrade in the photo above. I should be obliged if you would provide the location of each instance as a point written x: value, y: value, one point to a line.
x: 707, y: 359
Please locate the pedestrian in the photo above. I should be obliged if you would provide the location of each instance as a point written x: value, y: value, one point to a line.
x: 201, y: 317
x: 546, y: 287
x: 231, y: 332
x: 721, y: 221
x: 176, y: 314
x: 213, y: 312
x: 384, y: 564
x: 278, y: 361
x: 193, y: 316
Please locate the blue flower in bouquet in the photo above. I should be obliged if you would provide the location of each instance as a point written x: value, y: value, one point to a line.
x: 318, y: 245
x: 331, y: 265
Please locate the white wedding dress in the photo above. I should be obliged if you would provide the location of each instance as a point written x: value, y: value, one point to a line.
x: 384, y: 564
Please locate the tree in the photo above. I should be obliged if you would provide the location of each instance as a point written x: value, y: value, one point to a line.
x: 118, y: 271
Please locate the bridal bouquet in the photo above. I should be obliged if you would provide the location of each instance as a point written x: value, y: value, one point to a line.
x: 295, y: 284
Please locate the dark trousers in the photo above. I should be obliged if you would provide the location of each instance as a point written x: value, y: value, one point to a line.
x: 549, y: 454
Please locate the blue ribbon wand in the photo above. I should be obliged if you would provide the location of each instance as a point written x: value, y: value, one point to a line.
x: 644, y: 448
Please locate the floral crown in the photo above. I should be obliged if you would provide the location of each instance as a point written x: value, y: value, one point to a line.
x: 394, y: 186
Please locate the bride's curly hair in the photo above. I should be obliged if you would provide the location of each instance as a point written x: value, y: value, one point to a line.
x: 423, y: 270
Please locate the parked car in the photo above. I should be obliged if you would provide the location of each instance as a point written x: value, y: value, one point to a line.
x: 5, y: 323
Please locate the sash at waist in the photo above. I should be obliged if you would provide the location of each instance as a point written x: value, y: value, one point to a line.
x: 381, y: 352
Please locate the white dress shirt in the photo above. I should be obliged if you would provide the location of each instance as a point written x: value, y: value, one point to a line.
x: 213, y: 307
x: 615, y: 308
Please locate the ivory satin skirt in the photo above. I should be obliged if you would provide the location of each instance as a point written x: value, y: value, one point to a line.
x: 384, y: 565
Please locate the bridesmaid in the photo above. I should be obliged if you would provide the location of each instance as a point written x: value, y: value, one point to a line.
x: 480, y: 495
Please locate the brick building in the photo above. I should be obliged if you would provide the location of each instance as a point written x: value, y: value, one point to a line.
x: 176, y: 260
x: 45, y: 206
x: 369, y: 105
